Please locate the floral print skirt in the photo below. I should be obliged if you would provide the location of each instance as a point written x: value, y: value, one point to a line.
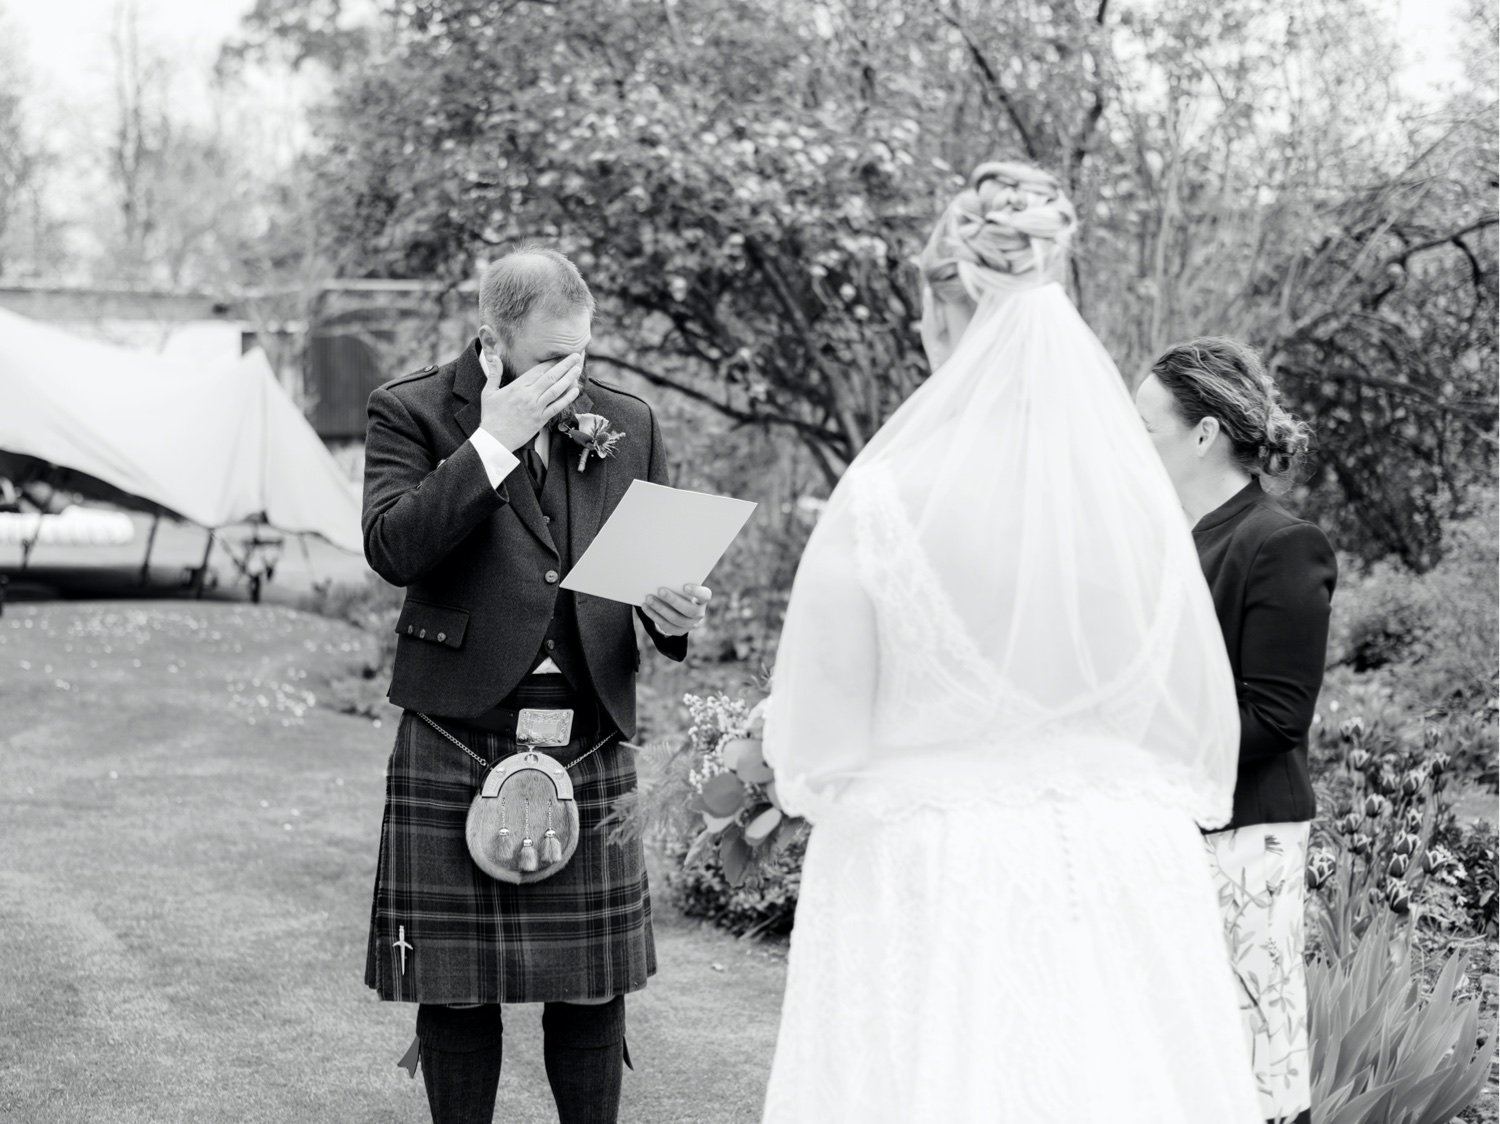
x: 1260, y: 875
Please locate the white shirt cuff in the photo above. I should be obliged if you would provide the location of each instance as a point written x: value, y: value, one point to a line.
x: 499, y: 462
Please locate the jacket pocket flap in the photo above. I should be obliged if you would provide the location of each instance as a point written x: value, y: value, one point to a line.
x: 437, y: 624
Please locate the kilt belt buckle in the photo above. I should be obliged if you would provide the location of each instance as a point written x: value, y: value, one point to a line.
x: 536, y: 728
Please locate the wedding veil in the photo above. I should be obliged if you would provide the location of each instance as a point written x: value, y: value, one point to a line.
x: 1005, y: 564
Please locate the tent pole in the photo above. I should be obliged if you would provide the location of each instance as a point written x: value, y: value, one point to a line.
x: 202, y: 573
x: 150, y: 542
x: 27, y: 545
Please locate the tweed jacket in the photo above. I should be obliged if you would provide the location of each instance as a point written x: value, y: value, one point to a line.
x: 479, y: 565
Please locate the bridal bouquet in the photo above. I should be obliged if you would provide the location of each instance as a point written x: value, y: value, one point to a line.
x: 734, y: 790
x: 712, y: 796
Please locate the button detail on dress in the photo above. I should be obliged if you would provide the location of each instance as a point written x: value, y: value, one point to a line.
x: 546, y: 519
x: 442, y: 636
x: 551, y: 644
x: 422, y: 635
x: 551, y: 576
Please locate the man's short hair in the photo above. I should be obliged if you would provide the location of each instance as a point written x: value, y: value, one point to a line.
x: 529, y: 279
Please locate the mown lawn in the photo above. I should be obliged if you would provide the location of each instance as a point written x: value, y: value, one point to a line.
x: 188, y: 845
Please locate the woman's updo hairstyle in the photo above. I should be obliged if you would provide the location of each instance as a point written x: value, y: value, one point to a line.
x: 1214, y: 377
x: 1012, y: 224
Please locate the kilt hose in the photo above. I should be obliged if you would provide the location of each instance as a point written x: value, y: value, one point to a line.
x: 584, y: 933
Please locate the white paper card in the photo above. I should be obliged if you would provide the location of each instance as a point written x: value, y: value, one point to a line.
x: 656, y: 537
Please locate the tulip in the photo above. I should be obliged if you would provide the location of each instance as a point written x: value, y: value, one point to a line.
x: 1360, y: 844
x: 1412, y: 783
x: 1433, y: 861
x: 1434, y: 734
x: 1387, y: 782
x: 1360, y: 759
x: 1349, y: 824
x: 1414, y: 820
x: 1350, y: 729
x: 1398, y: 866
x: 1321, y: 866
x: 1438, y: 764
x: 1398, y: 897
x: 1376, y: 806
x: 1406, y: 844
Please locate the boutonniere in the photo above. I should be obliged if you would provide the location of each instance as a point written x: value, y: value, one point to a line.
x: 596, y: 434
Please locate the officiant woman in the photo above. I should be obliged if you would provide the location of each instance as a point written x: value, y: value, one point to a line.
x: 1215, y: 417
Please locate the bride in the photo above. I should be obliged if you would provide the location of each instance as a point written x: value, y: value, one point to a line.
x: 1003, y: 700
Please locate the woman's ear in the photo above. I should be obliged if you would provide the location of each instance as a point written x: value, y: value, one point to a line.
x: 1203, y: 436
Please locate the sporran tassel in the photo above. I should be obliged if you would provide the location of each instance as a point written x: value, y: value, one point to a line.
x: 505, y: 846
x: 551, y: 844
x: 527, y: 863
x: 505, y: 842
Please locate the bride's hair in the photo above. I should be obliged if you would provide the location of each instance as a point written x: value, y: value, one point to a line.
x: 1214, y: 377
x: 1012, y: 219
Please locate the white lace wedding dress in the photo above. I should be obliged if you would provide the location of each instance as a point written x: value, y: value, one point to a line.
x: 1005, y: 912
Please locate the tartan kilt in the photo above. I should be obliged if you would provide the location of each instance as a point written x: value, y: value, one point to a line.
x: 584, y: 933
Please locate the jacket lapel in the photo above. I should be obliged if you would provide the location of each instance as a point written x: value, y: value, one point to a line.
x: 468, y: 382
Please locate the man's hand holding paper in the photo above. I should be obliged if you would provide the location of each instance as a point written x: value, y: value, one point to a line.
x: 656, y: 550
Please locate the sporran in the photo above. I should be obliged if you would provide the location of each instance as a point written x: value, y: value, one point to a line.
x: 523, y: 823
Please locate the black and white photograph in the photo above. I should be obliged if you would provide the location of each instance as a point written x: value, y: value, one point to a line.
x: 731, y: 561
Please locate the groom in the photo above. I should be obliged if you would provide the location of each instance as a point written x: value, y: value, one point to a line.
x: 478, y: 504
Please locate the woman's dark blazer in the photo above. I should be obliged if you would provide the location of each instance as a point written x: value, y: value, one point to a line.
x: 1272, y: 577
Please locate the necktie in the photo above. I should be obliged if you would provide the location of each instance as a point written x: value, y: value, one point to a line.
x: 535, y: 467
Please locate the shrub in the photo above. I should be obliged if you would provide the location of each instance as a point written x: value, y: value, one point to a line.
x: 373, y: 606
x: 1434, y: 632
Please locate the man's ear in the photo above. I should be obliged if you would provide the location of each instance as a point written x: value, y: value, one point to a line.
x: 489, y: 340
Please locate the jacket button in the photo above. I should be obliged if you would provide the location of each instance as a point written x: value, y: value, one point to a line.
x: 551, y: 644
x: 546, y: 519
x: 422, y: 635
x: 442, y: 636
x: 551, y: 576
x: 409, y: 630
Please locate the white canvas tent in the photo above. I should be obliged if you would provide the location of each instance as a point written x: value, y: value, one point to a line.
x: 216, y: 446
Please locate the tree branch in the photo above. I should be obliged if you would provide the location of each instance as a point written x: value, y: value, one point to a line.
x: 809, y: 431
x: 992, y: 77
